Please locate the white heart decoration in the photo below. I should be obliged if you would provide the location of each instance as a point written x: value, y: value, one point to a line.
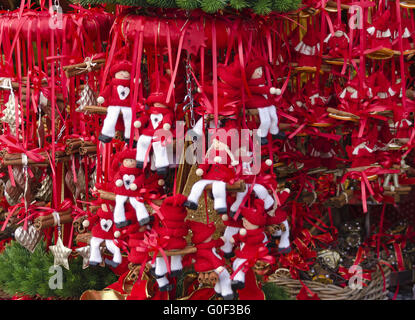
x: 123, y: 92
x: 128, y: 180
x: 106, y: 224
x: 156, y: 119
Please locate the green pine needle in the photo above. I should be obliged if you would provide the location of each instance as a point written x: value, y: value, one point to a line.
x: 274, y: 292
x: 212, y: 6
x: 188, y: 4
x: 261, y: 7
x: 28, y: 274
x: 238, y: 4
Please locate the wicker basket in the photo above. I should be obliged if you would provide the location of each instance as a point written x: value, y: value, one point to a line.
x: 373, y: 291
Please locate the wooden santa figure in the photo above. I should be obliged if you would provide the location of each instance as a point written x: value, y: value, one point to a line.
x: 232, y: 227
x: 252, y: 181
x: 206, y: 258
x: 277, y: 224
x: 379, y: 33
x: 134, y: 235
x: 218, y: 169
x: 173, y: 228
x: 251, y: 242
x: 337, y: 42
x: 261, y: 100
x: 128, y: 180
x: 116, y: 96
x: 103, y: 230
x: 155, y: 124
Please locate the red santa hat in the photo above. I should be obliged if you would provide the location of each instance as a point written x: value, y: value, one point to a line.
x: 121, y: 155
x: 126, y: 154
x: 172, y: 208
x: 310, y: 89
x: 253, y: 65
x: 308, y: 48
x: 123, y: 65
x: 255, y: 214
x: 159, y: 86
x: 352, y: 87
x: 380, y: 85
x: 231, y: 74
x: 407, y: 32
x: 293, y: 37
x: 226, y: 107
x: 379, y: 32
x: 340, y: 30
x: 201, y: 231
x: 381, y: 22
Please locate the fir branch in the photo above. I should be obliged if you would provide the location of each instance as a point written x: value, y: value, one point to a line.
x: 212, y: 6
x: 285, y: 5
x: 274, y: 292
x: 28, y: 274
x: 263, y: 7
x: 188, y: 4
x: 239, y: 4
x: 162, y: 3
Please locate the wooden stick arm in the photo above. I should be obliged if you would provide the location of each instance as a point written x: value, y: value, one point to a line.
x: 334, y: 4
x: 238, y: 186
x: 360, y: 169
x: 398, y: 189
x: 94, y: 110
x: 181, y: 252
x: 86, y: 238
x: 106, y: 195
x: 342, y: 113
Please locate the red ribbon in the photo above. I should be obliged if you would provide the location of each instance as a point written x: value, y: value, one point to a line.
x: 260, y: 255
x: 152, y: 242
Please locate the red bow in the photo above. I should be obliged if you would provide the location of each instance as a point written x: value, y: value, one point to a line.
x: 260, y: 255
x: 364, y: 182
x: 13, y: 146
